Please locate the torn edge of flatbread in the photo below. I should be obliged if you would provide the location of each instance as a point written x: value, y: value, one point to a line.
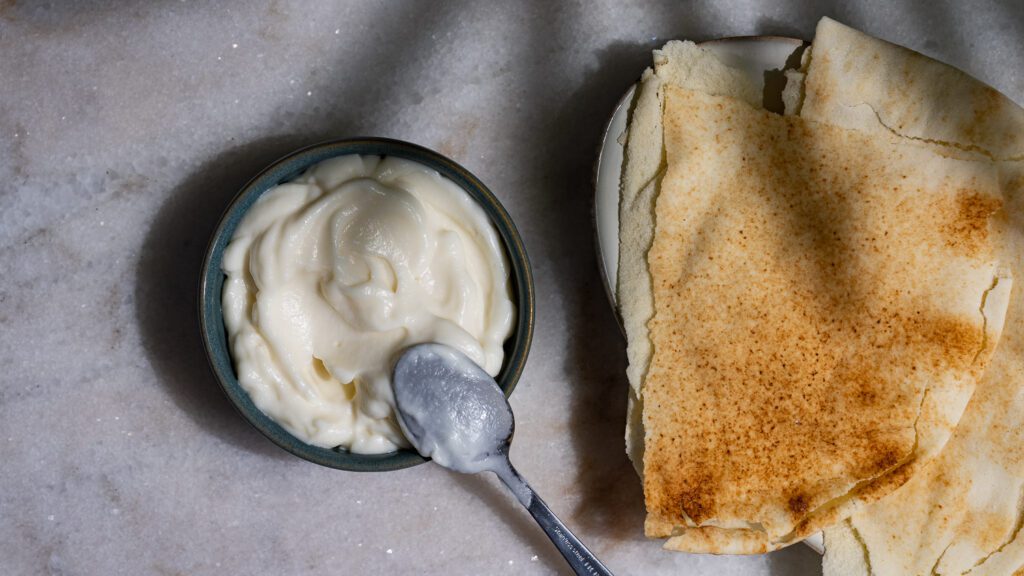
x: 793, y: 91
x: 681, y: 64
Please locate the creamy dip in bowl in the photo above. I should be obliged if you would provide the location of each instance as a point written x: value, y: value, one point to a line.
x: 334, y: 260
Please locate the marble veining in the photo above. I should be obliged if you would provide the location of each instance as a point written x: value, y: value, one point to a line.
x: 125, y: 127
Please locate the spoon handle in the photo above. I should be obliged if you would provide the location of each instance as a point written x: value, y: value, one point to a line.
x: 581, y: 560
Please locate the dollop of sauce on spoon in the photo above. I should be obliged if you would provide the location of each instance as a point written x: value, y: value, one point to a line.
x: 453, y: 412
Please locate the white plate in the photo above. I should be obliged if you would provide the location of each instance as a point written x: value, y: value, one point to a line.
x: 753, y: 55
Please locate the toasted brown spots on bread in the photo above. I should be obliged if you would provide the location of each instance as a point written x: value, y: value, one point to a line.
x: 806, y: 301
x: 967, y: 227
x: 696, y: 503
x: 798, y: 504
x: 885, y: 459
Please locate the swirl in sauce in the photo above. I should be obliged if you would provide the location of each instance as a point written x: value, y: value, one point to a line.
x: 331, y: 275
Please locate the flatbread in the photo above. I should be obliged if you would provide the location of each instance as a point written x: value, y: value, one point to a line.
x: 680, y: 64
x: 963, y: 513
x: 863, y: 83
x: 793, y: 90
x: 824, y: 303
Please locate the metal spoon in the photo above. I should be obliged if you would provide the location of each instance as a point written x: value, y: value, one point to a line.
x: 454, y: 412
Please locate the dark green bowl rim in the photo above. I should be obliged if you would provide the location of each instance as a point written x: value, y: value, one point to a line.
x: 211, y: 320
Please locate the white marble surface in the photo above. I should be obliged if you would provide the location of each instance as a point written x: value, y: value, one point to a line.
x: 126, y: 126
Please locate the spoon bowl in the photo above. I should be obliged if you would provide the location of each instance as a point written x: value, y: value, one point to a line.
x: 452, y: 411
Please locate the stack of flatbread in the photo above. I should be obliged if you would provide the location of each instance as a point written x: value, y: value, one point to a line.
x: 815, y: 308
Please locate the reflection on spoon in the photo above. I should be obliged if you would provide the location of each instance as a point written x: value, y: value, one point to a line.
x: 452, y: 411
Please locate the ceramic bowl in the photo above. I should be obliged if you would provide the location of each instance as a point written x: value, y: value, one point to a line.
x: 212, y: 280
